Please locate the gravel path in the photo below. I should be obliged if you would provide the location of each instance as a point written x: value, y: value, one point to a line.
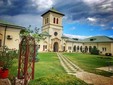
x: 89, y: 78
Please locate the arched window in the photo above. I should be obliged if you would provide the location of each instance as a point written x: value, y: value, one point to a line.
x: 90, y: 48
x: 81, y: 48
x: 86, y: 49
x: 45, y: 21
x: 74, y: 48
x: 94, y: 47
x: 53, y: 20
x: 57, y: 20
x: 78, y: 48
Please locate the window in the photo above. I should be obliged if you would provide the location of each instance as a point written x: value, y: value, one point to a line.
x: 38, y: 46
x: 90, y: 48
x: 92, y: 39
x: 77, y: 47
x: 81, y: 48
x: 103, y: 49
x: 53, y: 20
x: 0, y: 42
x: 57, y: 20
x: 69, y: 48
x: 47, y: 20
x: 74, y: 48
x: 55, y: 33
x: 86, y: 48
x: 44, y: 47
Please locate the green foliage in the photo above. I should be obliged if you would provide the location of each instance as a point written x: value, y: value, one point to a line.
x: 29, y: 32
x: 94, y: 51
x: 26, y: 31
x: 37, y: 37
x: 58, y: 79
x: 7, y: 57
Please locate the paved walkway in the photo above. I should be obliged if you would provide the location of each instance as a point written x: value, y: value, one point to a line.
x: 89, y: 78
x: 108, y: 68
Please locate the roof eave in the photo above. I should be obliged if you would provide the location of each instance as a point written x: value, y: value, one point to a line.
x: 53, y: 12
x: 11, y: 26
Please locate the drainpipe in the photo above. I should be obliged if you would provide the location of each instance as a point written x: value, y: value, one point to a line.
x: 4, y: 38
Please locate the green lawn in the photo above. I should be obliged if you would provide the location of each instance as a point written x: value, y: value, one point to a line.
x: 90, y: 62
x: 48, y: 71
x: 47, y: 65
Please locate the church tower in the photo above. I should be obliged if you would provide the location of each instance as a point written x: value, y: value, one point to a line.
x: 52, y: 24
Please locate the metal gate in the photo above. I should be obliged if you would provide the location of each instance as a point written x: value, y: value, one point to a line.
x: 26, y: 59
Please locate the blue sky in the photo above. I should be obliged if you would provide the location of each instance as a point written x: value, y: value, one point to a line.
x: 83, y: 18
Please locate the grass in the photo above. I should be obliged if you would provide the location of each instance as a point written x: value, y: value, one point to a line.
x: 48, y: 71
x: 47, y: 65
x: 58, y: 79
x: 90, y: 62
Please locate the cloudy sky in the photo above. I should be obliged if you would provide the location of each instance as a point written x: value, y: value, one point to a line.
x: 83, y: 18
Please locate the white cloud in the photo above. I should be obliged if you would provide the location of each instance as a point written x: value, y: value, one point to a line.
x: 102, y: 25
x: 92, y: 19
x: 43, y: 4
x: 111, y: 36
x: 24, y: 20
x: 73, y: 28
x: 90, y: 2
x: 112, y: 28
x: 76, y: 36
x: 9, y: 2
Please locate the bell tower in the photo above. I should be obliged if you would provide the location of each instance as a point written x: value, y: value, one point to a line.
x: 52, y: 23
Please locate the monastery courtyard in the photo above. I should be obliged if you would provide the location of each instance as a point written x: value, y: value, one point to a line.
x: 69, y: 69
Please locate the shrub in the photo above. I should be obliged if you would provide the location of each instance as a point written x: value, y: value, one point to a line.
x: 7, y: 57
x: 94, y: 51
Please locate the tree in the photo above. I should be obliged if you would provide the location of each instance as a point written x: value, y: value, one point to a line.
x: 26, y: 31
x: 35, y: 34
x: 94, y: 51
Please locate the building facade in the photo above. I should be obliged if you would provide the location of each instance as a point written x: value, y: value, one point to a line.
x: 53, y: 38
x: 9, y: 35
x: 55, y: 41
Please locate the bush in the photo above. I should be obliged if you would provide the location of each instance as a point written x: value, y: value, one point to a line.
x: 94, y: 51
x: 63, y: 79
x: 6, y: 57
